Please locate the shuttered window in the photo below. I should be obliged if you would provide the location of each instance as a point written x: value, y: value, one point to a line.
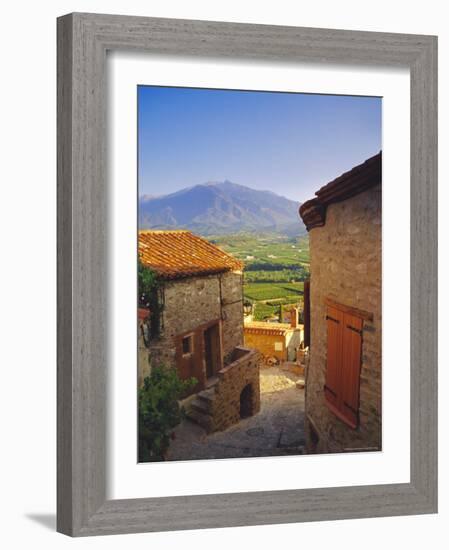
x: 344, y: 350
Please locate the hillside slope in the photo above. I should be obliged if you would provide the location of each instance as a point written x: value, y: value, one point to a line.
x: 220, y: 207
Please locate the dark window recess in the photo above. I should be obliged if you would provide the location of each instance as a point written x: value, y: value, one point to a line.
x: 187, y: 345
x: 306, y: 314
x: 344, y: 353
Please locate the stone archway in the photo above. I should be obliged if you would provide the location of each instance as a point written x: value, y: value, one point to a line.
x: 246, y: 401
x: 235, y: 395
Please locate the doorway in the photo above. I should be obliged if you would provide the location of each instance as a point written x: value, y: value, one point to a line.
x: 212, y: 350
x: 246, y: 401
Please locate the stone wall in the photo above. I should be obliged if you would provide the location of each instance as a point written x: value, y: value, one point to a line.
x: 143, y: 357
x: 243, y: 371
x: 293, y: 341
x: 265, y: 343
x: 195, y: 302
x: 281, y: 346
x: 232, y: 312
x: 345, y: 265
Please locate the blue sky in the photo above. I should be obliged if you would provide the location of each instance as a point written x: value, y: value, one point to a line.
x: 289, y: 143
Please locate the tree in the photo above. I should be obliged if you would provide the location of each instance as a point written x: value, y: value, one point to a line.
x: 150, y: 289
x: 159, y: 411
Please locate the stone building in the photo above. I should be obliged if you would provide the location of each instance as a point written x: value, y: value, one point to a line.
x: 199, y: 326
x: 343, y: 378
x: 279, y: 341
x: 201, y: 303
x: 143, y: 356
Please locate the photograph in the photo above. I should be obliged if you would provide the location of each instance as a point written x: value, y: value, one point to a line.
x: 259, y: 273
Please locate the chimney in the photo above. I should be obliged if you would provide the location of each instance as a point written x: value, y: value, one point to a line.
x: 294, y: 319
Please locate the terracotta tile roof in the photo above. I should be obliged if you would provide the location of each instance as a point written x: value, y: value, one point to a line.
x: 261, y: 327
x: 349, y: 184
x: 177, y: 254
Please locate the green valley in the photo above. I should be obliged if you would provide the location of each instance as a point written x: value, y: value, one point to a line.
x: 275, y: 267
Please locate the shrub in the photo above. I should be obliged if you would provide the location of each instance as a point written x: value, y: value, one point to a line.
x: 150, y: 296
x: 159, y: 411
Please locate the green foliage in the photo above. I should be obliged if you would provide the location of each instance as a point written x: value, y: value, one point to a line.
x: 272, y: 291
x: 275, y: 267
x: 159, y: 411
x: 148, y: 284
x: 150, y: 290
x: 264, y: 311
x: 256, y: 271
x: 267, y: 251
x: 275, y: 276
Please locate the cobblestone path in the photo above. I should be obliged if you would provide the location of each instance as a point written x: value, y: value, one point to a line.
x: 278, y: 429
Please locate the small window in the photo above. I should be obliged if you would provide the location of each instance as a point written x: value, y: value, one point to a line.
x: 278, y: 346
x: 187, y: 345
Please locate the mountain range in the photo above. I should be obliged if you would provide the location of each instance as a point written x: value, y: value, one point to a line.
x: 218, y: 208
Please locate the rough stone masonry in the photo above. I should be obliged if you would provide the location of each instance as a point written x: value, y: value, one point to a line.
x: 192, y: 303
x: 346, y: 266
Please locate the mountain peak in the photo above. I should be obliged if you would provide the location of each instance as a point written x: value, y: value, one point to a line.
x: 224, y: 183
x: 218, y: 207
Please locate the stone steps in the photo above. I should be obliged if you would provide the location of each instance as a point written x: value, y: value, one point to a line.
x: 202, y: 419
x: 206, y: 395
x: 211, y: 382
x: 200, y: 408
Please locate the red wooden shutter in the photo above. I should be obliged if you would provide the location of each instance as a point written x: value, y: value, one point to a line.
x: 191, y: 364
x: 184, y: 363
x: 334, y: 342
x: 344, y: 348
x: 351, y: 363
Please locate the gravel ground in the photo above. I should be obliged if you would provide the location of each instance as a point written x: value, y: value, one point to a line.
x: 278, y: 429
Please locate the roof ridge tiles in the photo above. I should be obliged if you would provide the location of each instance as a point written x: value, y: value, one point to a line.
x: 181, y: 253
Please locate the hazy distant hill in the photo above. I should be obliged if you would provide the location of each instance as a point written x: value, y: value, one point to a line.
x: 220, y: 207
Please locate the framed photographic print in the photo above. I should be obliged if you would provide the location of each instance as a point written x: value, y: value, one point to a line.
x: 247, y: 274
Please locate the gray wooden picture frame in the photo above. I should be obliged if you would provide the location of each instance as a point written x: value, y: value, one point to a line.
x: 83, y: 40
